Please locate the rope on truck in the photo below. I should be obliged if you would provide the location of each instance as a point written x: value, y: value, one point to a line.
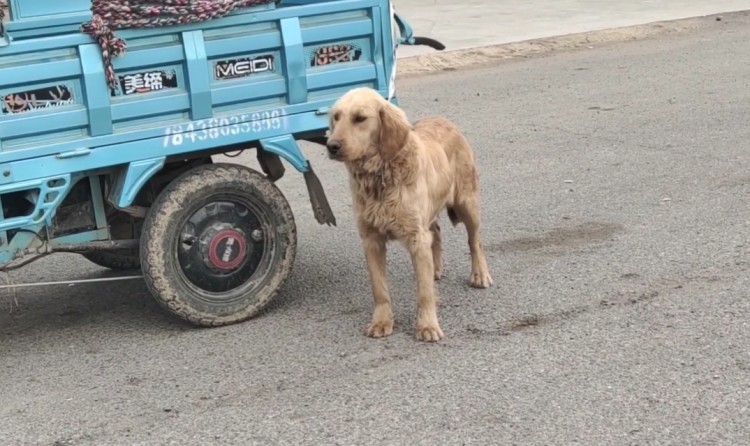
x: 109, y: 15
x: 10, y: 285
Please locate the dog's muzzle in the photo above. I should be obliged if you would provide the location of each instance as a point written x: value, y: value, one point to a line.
x: 334, y: 148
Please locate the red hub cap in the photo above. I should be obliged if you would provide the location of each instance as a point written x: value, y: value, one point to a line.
x: 227, y: 249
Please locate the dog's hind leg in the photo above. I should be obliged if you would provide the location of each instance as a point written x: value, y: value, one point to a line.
x: 382, y: 315
x: 466, y: 209
x: 437, y: 249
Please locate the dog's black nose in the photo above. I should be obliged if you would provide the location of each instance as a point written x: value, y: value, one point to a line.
x: 333, y: 147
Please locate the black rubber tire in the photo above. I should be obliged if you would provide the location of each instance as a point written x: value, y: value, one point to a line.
x: 121, y: 226
x: 161, y: 231
x: 120, y: 260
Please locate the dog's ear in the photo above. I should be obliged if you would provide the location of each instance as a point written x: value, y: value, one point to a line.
x: 394, y: 130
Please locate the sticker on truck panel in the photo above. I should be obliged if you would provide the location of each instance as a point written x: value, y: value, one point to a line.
x: 234, y: 68
x: 147, y: 81
x: 331, y: 54
x: 36, y: 99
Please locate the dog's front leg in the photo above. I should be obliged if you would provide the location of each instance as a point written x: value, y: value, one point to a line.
x: 382, y: 316
x: 420, y: 248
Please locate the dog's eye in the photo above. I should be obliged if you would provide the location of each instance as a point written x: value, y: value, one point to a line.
x: 360, y: 118
x: 337, y: 116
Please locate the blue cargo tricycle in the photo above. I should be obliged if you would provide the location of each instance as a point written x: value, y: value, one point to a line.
x: 112, y: 109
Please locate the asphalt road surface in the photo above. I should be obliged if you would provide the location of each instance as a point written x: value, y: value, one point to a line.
x: 616, y: 206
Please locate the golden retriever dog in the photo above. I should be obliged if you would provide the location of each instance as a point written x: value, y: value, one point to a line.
x: 401, y: 178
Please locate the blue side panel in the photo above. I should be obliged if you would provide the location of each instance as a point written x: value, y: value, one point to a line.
x: 95, y: 93
x: 177, y: 139
x: 294, y: 61
x: 258, y: 75
x: 198, y: 83
x: 248, y: 123
x: 43, y: 18
x: 244, y: 63
x: 378, y: 51
x: 389, y: 48
x: 25, y: 10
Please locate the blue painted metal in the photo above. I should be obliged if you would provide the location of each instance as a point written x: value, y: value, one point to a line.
x: 25, y: 242
x: 3, y: 234
x: 46, y: 193
x: 286, y: 147
x: 405, y: 30
x: 100, y: 214
x: 25, y: 10
x: 34, y: 18
x: 92, y: 131
x: 294, y: 65
x: 95, y: 92
x: 197, y: 75
x: 80, y: 237
x: 128, y: 180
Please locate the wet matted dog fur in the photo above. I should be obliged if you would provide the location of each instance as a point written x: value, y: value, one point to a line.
x: 402, y: 177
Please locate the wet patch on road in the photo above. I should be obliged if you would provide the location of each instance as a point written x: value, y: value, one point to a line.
x: 587, y: 233
x: 533, y: 321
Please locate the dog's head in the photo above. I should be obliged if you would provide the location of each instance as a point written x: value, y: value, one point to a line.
x: 363, y: 124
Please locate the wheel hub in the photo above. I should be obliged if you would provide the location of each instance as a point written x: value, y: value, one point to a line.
x: 226, y: 249
x: 221, y: 246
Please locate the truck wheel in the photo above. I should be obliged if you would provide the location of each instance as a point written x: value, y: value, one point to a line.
x: 120, y: 260
x: 121, y: 226
x: 217, y: 244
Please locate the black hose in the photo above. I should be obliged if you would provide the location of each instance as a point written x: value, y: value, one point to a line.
x: 426, y: 41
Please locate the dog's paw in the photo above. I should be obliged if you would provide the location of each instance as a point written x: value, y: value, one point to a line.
x: 438, y: 274
x: 480, y: 279
x: 429, y: 333
x: 379, y: 329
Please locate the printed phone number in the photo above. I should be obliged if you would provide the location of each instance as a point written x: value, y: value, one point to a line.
x: 215, y: 128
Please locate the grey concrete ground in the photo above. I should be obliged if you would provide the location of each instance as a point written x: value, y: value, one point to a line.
x: 462, y: 24
x: 616, y: 216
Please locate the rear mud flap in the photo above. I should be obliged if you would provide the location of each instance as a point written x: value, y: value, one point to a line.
x: 321, y: 208
x: 286, y: 147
